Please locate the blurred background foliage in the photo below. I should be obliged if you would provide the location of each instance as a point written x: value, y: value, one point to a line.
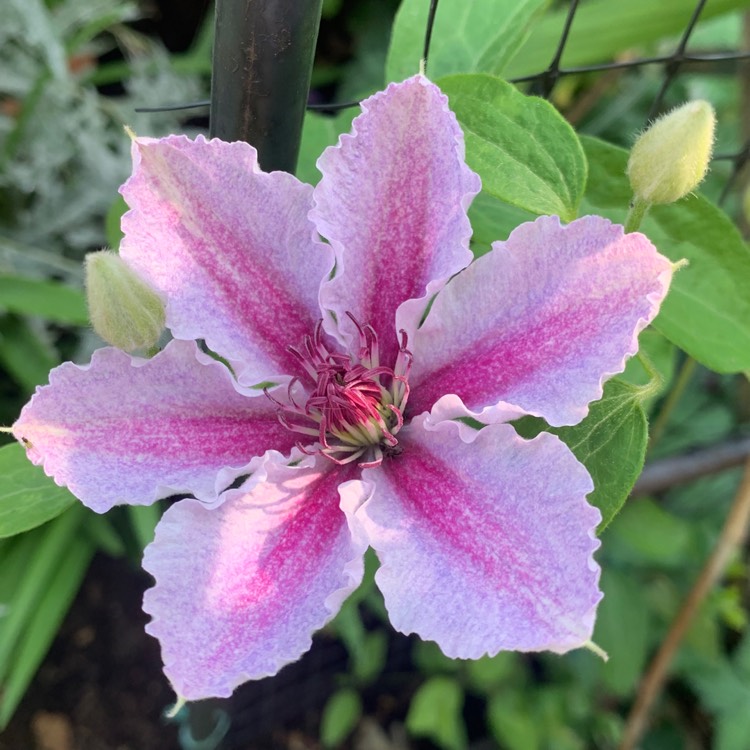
x: 72, y: 73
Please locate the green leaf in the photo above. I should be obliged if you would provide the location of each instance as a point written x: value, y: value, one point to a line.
x: 610, y: 443
x: 42, y: 625
x: 51, y: 545
x: 733, y: 729
x: 112, y: 229
x: 481, y: 35
x: 647, y: 535
x: 726, y: 693
x: 52, y: 300
x: 435, y: 712
x: 370, y: 661
x: 492, y: 220
x: 602, y: 28
x: 102, y: 532
x: 741, y: 658
x: 429, y: 659
x: 488, y: 673
x: 622, y: 630
x: 511, y: 722
x: 42, y: 34
x: 340, y: 716
x: 319, y: 132
x: 28, y: 497
x: 525, y: 152
x: 707, y: 311
x: 143, y: 519
x: 26, y: 357
x: 367, y: 650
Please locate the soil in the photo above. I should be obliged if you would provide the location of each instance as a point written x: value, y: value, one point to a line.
x: 101, y: 686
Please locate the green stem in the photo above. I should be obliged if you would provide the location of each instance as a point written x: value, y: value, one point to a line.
x: 681, y: 383
x: 636, y: 214
x: 655, y: 382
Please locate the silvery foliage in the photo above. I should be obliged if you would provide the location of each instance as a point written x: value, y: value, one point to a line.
x: 63, y: 151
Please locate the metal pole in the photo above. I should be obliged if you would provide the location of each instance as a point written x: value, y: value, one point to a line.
x: 262, y: 62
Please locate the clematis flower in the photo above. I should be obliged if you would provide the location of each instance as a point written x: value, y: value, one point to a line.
x: 353, y: 362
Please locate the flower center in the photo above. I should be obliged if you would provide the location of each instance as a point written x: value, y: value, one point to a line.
x: 355, y: 406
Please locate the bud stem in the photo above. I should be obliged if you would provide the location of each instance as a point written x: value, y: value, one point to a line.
x: 636, y: 214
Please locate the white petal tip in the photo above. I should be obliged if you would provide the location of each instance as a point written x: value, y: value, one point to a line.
x: 598, y: 650
x: 684, y: 263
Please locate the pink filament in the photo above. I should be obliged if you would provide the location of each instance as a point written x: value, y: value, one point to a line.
x: 355, y: 405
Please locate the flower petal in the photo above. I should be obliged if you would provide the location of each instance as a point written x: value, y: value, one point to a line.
x: 126, y: 430
x: 393, y: 203
x: 241, y: 588
x: 230, y: 248
x: 485, y: 541
x: 541, y: 321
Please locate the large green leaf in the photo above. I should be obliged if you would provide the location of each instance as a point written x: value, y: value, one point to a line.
x: 610, y: 443
x: 52, y: 300
x: 707, y: 311
x: 493, y: 220
x: 602, y: 28
x: 28, y: 497
x: 526, y: 154
x: 481, y: 35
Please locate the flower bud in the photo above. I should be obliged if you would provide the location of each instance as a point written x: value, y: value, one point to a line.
x: 670, y: 158
x: 124, y: 311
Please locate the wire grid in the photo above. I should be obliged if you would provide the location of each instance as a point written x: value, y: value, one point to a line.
x: 544, y: 82
x: 298, y: 693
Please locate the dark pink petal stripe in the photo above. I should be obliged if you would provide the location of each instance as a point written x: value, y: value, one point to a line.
x: 229, y: 247
x: 541, y: 321
x: 484, y: 545
x: 266, y: 569
x: 123, y: 430
x: 393, y: 203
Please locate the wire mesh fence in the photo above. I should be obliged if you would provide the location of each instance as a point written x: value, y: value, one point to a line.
x: 672, y: 65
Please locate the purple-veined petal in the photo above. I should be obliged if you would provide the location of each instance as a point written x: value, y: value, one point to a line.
x: 128, y: 430
x: 392, y: 202
x: 241, y: 588
x: 541, y: 321
x: 485, y: 540
x: 230, y: 247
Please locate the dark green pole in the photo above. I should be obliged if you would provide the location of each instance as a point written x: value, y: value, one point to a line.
x: 262, y: 61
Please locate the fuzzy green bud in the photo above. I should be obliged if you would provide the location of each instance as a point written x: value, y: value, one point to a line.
x: 670, y: 158
x: 124, y: 311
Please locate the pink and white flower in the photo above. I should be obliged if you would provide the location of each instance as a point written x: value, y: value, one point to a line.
x: 352, y: 362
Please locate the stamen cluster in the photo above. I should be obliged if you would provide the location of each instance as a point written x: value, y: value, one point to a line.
x: 355, y: 406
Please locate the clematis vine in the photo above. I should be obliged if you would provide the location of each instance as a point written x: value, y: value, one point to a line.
x: 354, y: 364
